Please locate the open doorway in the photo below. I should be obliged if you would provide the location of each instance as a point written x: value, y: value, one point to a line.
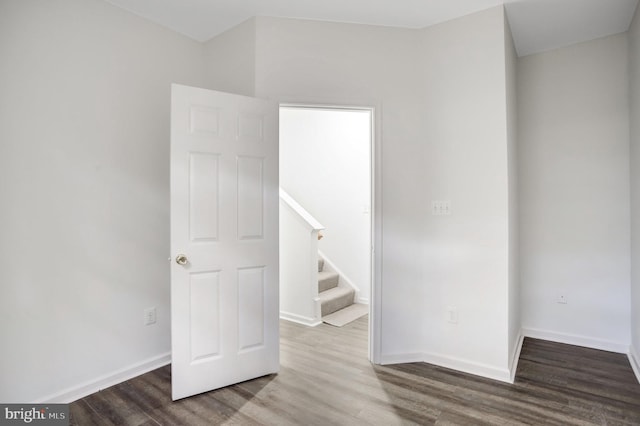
x: 326, y: 169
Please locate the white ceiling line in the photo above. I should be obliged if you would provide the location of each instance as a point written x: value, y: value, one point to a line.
x: 537, y: 25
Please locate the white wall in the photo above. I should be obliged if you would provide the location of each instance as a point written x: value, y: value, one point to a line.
x: 298, y: 263
x: 574, y: 192
x: 85, y: 232
x: 464, y: 159
x: 634, y: 49
x: 230, y: 60
x: 325, y: 166
x: 441, y: 97
x: 515, y: 320
x: 84, y: 183
x: 307, y: 61
x: 84, y: 116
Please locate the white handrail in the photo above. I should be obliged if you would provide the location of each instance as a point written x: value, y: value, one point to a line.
x: 300, y: 211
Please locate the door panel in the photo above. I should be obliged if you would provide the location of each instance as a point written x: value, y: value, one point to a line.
x: 203, y: 196
x: 251, y: 290
x: 250, y: 197
x: 224, y: 218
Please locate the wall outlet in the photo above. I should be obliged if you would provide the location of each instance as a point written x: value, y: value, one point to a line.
x: 452, y: 314
x: 150, y: 316
x: 562, y: 299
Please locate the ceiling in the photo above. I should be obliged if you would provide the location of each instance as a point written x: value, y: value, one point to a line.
x: 537, y: 25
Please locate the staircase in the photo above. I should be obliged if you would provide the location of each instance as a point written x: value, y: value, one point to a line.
x: 336, y: 301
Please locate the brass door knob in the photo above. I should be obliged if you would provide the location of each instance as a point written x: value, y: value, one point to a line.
x: 181, y: 259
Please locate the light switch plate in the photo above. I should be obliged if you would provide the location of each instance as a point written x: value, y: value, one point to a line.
x: 150, y: 316
x: 452, y: 314
x: 441, y: 207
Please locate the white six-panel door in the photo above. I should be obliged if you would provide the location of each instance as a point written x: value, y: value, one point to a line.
x: 224, y: 223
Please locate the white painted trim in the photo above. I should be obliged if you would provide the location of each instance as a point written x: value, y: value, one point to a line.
x: 299, y: 319
x: 362, y: 301
x: 375, y: 106
x: 81, y: 390
x: 375, y: 306
x: 634, y: 360
x: 577, y: 340
x: 515, y: 357
x: 470, y: 367
x: 328, y: 105
x: 303, y: 214
x: 387, y: 359
x: 457, y: 364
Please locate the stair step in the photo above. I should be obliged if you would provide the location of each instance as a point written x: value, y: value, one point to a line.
x: 320, y: 264
x: 327, y: 280
x: 335, y: 299
x: 346, y: 315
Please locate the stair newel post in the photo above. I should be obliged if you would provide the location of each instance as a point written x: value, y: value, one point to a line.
x: 316, y: 236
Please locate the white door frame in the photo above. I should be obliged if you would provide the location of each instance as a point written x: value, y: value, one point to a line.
x: 376, y: 211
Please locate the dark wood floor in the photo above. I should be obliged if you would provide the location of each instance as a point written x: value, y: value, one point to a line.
x: 326, y: 379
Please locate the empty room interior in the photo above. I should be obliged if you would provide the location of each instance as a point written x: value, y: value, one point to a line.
x: 500, y: 215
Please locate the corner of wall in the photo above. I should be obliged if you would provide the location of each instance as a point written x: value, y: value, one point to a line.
x: 230, y: 59
x: 515, y: 356
x: 515, y: 322
x: 449, y: 46
x: 634, y: 86
x: 634, y: 360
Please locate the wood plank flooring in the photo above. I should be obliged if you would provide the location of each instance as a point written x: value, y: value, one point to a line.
x: 325, y: 379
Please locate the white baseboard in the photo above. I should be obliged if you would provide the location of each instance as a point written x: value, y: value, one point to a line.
x: 634, y: 360
x: 386, y: 359
x: 469, y: 367
x: 515, y: 357
x: 87, y: 388
x: 465, y: 366
x: 362, y: 301
x: 577, y: 340
x: 299, y: 319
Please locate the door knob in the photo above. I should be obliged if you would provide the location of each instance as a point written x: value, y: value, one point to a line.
x: 181, y: 259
